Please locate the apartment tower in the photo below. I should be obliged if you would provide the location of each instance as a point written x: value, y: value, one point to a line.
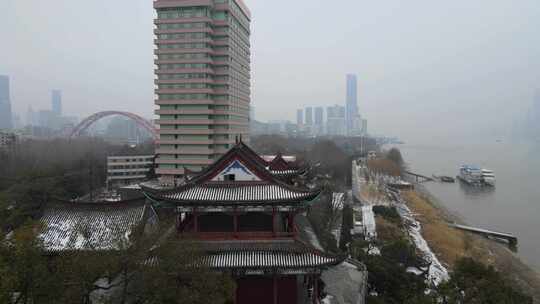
x: 300, y: 117
x: 202, y: 81
x: 351, y: 104
x: 6, y: 121
x: 56, y: 102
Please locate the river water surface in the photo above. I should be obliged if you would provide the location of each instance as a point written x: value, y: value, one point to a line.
x: 512, y: 206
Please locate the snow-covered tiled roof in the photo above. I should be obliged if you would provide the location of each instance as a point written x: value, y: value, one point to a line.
x: 284, y: 172
x: 285, y: 254
x: 90, y: 226
x: 238, y: 193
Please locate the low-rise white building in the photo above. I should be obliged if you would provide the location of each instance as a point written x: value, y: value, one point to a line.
x: 127, y: 170
x: 7, y: 139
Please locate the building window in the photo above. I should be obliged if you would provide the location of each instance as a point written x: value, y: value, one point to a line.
x: 229, y: 177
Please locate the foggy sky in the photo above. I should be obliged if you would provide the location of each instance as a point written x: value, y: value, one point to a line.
x: 425, y: 68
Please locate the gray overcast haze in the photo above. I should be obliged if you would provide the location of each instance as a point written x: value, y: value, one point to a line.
x: 424, y: 67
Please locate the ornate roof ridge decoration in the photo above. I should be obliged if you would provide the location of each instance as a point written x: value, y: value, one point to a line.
x: 202, y: 188
x: 243, y: 152
x: 280, y: 164
x: 63, y: 203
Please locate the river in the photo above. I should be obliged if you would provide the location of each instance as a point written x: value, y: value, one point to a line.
x: 512, y: 206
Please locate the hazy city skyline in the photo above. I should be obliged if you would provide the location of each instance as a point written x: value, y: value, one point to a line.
x: 417, y: 64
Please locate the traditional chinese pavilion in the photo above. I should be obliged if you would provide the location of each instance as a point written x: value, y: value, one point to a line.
x: 246, y: 218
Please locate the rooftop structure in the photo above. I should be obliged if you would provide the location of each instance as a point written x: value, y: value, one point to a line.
x: 203, y: 81
x: 249, y: 222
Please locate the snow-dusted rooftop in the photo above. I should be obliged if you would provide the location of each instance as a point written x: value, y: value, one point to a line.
x: 90, y: 226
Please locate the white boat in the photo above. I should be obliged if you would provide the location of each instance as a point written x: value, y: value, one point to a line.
x: 471, y: 174
x: 488, y: 177
x: 476, y: 176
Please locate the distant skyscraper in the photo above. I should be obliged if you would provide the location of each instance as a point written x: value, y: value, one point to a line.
x: 299, y: 117
x: 56, y: 102
x: 309, y: 116
x: 536, y: 107
x: 319, y: 116
x: 6, y: 119
x: 319, y: 121
x: 30, y: 116
x: 335, y: 120
x: 47, y: 119
x: 352, y: 103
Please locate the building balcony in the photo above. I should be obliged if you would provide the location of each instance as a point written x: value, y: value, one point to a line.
x: 220, y: 31
x: 220, y: 91
x: 182, y: 51
x: 184, y: 30
x: 220, y: 22
x: 183, y: 20
x: 224, y: 42
x: 173, y: 41
x: 220, y: 63
x: 203, y: 162
x: 184, y: 101
x: 193, y: 80
x: 219, y: 53
x: 127, y: 177
x: 181, y: 131
x: 180, y: 150
x: 184, y: 142
x: 186, y: 70
x: 224, y: 141
x: 221, y: 7
x: 216, y: 81
x: 174, y: 112
x: 140, y: 163
x: 184, y: 121
x: 167, y: 61
x: 139, y: 170
x: 180, y: 91
x: 162, y: 171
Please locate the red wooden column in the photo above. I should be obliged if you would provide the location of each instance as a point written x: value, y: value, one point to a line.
x: 235, y: 300
x: 291, y: 221
x: 275, y: 286
x: 235, y: 221
x: 195, y: 220
x: 315, y: 289
x: 274, y: 222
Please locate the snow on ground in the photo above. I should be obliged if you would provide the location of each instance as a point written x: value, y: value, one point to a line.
x: 345, y: 283
x: 368, y: 220
x: 437, y: 272
x: 338, y: 201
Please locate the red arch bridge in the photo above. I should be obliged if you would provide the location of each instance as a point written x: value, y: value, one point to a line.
x: 88, y: 121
